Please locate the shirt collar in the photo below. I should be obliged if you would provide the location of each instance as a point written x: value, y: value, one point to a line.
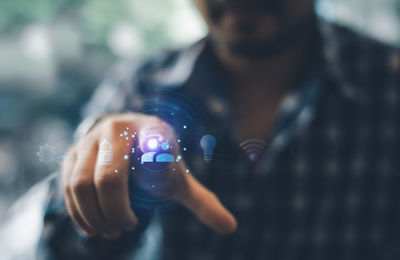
x: 182, y: 69
x: 334, y: 42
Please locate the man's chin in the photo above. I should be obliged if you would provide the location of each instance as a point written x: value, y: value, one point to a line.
x: 252, y: 50
x: 251, y: 47
x: 247, y: 43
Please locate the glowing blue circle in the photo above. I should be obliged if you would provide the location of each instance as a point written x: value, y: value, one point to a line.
x: 152, y: 143
x: 253, y: 157
x: 165, y: 146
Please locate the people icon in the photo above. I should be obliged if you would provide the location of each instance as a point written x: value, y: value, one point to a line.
x: 155, y: 155
x: 165, y: 157
x: 148, y: 157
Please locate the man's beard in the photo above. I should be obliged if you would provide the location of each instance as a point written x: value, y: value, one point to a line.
x: 282, y: 42
x: 261, y: 49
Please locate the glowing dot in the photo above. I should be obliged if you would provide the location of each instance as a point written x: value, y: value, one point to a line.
x: 120, y: 134
x: 153, y: 186
x: 187, y: 170
x: 253, y: 157
x: 184, y: 148
x: 152, y: 143
x: 165, y: 146
x: 126, y: 157
x: 133, y: 136
x: 127, y: 128
x: 133, y: 168
x: 126, y: 138
x: 173, y: 169
x: 133, y: 150
x: 172, y: 114
x: 125, y: 133
x: 178, y: 158
x: 116, y: 171
x: 185, y: 126
x: 179, y: 140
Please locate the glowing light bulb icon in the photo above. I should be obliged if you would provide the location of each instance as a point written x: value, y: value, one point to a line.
x: 208, y: 143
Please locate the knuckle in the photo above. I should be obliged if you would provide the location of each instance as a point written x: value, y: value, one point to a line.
x: 66, y: 187
x: 115, y: 125
x: 107, y: 181
x: 87, y: 140
x: 80, y: 185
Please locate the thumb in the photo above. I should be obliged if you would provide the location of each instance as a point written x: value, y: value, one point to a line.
x: 205, y: 205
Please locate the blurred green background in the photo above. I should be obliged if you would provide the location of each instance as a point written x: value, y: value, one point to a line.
x: 54, y: 52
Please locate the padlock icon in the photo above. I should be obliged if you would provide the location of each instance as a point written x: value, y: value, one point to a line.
x: 105, y: 155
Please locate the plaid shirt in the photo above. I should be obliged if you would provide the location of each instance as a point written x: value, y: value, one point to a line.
x: 325, y: 188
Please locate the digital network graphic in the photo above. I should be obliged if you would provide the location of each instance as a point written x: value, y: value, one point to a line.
x: 253, y: 148
x: 188, y: 119
x: 157, y: 154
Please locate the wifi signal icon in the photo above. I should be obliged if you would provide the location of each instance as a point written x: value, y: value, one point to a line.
x: 253, y: 148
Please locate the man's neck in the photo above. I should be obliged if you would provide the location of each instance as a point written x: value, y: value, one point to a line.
x: 275, y: 72
x: 259, y: 86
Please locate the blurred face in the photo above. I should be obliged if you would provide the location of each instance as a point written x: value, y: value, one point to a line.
x: 255, y: 28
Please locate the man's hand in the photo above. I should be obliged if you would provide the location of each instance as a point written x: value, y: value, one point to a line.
x: 97, y: 197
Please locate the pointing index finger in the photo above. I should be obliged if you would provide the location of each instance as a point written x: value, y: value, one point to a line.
x: 205, y: 205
